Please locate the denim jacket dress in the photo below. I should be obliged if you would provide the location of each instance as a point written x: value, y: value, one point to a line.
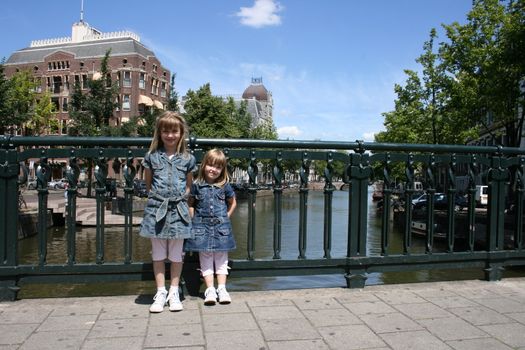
x: 211, y: 228
x: 166, y: 214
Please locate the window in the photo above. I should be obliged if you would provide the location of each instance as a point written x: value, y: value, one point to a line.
x: 127, y: 79
x: 84, y: 81
x: 163, y: 89
x: 64, y: 104
x: 126, y: 102
x: 142, y: 81
x: 54, y: 101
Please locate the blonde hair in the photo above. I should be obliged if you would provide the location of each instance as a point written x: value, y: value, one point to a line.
x: 169, y: 121
x: 215, y: 157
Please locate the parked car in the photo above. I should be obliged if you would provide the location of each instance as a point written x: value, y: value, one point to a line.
x: 139, y: 188
x: 57, y: 184
x: 31, y: 184
x: 441, y: 203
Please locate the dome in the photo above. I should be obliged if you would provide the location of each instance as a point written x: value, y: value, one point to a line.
x: 257, y: 90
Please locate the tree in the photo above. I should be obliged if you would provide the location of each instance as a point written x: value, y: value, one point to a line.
x: 5, y: 106
x: 20, y: 100
x: 43, y: 117
x: 486, y: 57
x: 173, y: 97
x: 91, y: 112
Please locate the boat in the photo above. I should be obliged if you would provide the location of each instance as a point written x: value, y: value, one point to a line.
x: 377, y: 194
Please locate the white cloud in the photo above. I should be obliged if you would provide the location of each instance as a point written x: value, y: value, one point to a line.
x: 262, y: 13
x: 369, y: 136
x: 288, y: 132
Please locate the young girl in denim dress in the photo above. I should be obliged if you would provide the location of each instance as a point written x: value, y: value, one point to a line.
x: 212, y: 202
x: 167, y: 222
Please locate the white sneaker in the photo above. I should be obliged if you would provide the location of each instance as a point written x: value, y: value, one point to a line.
x: 159, y: 300
x: 210, y: 296
x: 224, y: 296
x: 174, y: 302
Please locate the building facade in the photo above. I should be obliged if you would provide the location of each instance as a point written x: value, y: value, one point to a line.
x: 57, y: 64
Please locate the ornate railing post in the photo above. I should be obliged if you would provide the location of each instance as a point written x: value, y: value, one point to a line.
x: 278, y: 205
x: 409, y: 191
x: 9, y: 169
x: 72, y: 174
x: 451, y: 202
x: 43, y: 175
x: 518, y: 204
x: 472, y: 173
x: 497, y: 177
x: 129, y: 172
x: 431, y: 190
x: 387, y: 205
x: 303, y: 204
x: 328, y: 199
x: 252, y: 196
x: 359, y: 172
x: 101, y: 173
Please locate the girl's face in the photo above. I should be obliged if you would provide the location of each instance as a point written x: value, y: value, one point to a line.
x: 212, y: 173
x: 170, y: 138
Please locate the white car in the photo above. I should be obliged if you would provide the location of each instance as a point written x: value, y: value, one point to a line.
x: 57, y: 184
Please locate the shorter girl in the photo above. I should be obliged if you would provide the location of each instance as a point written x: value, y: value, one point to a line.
x: 211, y: 202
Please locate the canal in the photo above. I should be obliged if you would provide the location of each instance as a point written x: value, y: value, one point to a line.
x: 114, y: 248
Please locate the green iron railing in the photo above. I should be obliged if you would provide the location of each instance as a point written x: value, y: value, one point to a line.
x: 500, y: 168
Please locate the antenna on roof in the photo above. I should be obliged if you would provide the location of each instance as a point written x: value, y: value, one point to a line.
x: 81, y: 10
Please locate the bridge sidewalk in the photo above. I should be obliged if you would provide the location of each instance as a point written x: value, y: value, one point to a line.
x: 441, y: 315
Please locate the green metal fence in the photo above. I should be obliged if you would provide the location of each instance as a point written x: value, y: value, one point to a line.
x: 437, y: 166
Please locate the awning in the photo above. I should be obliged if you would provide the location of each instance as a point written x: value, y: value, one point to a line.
x: 145, y: 100
x: 158, y: 104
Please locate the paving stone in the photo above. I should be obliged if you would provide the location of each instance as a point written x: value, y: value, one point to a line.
x: 373, y: 307
x: 68, y: 339
x: 452, y: 328
x: 511, y: 334
x: 179, y: 317
x: 132, y: 327
x: 452, y: 301
x: 331, y: 317
x: 313, y: 344
x: 228, y: 322
x: 319, y: 303
x: 274, y: 312
x: 60, y: 323
x: 399, y: 297
x: 235, y: 340
x: 170, y: 335
x: 393, y: 322
x: 24, y: 315
x: 480, y: 315
x: 503, y: 304
x: 422, y: 311
x: 350, y: 337
x: 15, y: 333
x: 414, y: 340
x: 477, y: 344
x: 287, y: 329
x: 120, y: 343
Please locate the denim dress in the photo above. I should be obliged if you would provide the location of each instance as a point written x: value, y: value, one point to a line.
x: 166, y: 214
x: 211, y: 228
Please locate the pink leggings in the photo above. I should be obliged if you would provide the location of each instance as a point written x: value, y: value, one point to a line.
x: 209, y: 259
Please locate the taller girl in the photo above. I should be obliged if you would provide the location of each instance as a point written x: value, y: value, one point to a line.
x: 168, y: 174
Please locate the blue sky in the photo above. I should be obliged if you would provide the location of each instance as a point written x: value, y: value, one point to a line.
x: 331, y: 65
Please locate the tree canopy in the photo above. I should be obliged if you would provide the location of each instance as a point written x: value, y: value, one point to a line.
x: 478, y: 71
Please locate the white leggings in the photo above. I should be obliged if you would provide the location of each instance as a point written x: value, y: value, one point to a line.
x: 208, y: 259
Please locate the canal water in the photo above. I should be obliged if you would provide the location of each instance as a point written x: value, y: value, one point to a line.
x: 114, y: 248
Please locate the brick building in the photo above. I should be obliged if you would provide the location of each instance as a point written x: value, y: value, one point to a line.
x: 143, y: 83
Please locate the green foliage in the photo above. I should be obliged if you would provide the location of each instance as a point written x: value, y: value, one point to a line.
x: 43, y: 118
x: 90, y: 113
x: 5, y: 105
x: 212, y: 117
x: 19, y: 94
x: 172, y: 104
x: 476, y: 71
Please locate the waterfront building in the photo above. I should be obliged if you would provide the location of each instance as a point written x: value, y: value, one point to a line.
x: 57, y: 64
